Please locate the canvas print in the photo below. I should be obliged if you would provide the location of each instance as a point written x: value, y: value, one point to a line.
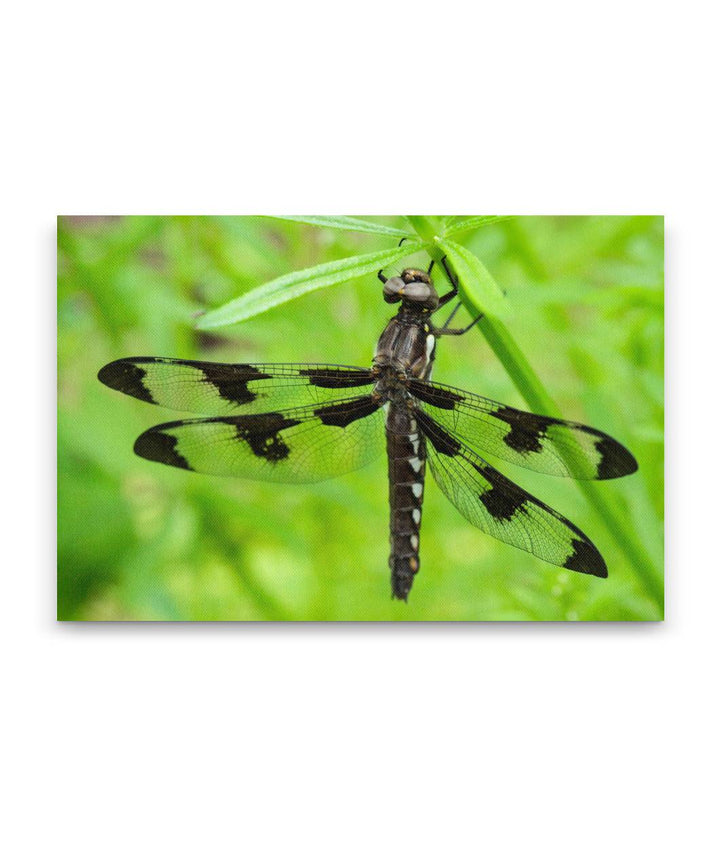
x: 262, y: 418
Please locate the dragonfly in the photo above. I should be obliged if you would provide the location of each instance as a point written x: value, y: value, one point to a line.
x: 297, y: 423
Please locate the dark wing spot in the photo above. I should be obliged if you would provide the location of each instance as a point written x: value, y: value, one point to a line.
x: 261, y: 433
x: 338, y: 378
x: 444, y: 443
x: 586, y: 559
x: 344, y: 413
x: 504, y: 499
x: 231, y: 380
x: 615, y: 459
x: 126, y: 377
x: 157, y: 446
x: 434, y: 395
x: 526, y: 429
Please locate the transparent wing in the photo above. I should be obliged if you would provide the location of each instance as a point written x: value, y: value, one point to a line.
x: 226, y: 388
x: 539, y: 443
x: 304, y: 444
x: 501, y: 508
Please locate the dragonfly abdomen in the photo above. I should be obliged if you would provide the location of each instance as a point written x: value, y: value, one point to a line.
x: 406, y: 472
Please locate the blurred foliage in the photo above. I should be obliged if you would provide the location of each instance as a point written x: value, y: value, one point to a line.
x: 146, y: 542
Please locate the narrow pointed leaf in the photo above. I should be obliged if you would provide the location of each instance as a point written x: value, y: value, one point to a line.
x: 350, y: 224
x: 468, y: 223
x: 297, y: 283
x: 476, y: 283
x: 426, y: 226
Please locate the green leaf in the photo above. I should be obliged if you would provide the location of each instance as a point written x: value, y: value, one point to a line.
x: 351, y: 224
x: 294, y: 284
x: 427, y: 227
x: 468, y: 223
x: 477, y: 285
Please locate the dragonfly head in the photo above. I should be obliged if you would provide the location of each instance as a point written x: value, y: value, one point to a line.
x: 414, y: 287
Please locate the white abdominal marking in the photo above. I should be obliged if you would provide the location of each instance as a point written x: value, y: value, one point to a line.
x: 417, y: 490
x: 414, y: 439
x: 416, y: 464
x: 429, y: 347
x: 414, y: 542
x: 416, y: 515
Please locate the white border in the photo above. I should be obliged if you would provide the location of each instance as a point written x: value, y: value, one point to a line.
x: 359, y: 739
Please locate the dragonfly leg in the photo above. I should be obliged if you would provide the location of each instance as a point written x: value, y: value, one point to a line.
x: 450, y: 317
x: 381, y: 275
x: 446, y: 330
x: 446, y: 298
x: 457, y: 331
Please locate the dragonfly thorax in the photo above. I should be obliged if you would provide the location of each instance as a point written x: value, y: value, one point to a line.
x: 406, y: 347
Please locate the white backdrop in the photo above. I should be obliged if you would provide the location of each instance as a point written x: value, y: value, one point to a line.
x: 595, y: 739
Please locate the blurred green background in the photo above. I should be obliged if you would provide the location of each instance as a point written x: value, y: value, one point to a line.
x: 139, y: 541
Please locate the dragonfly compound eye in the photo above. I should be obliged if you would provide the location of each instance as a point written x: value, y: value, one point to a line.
x: 420, y: 294
x: 393, y: 289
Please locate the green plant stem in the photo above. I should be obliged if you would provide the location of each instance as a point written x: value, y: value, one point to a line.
x: 539, y: 400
